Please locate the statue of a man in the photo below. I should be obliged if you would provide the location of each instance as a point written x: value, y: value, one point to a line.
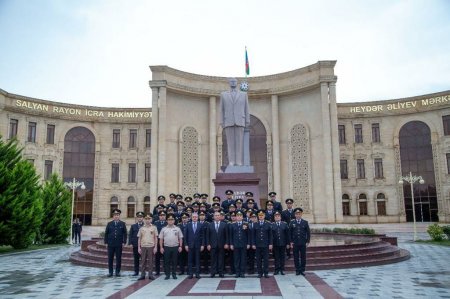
x: 234, y: 117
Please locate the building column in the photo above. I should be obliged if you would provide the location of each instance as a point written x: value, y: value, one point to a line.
x: 212, y: 143
x: 276, y: 147
x: 162, y: 117
x: 154, y: 147
x: 328, y: 178
x: 336, y: 154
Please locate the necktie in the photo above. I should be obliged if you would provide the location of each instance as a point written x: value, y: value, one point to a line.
x: 195, y: 227
x: 115, y: 223
x: 278, y: 224
x: 217, y: 227
x: 261, y: 223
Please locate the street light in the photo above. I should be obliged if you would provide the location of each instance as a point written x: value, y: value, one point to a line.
x: 74, y: 186
x: 411, y: 180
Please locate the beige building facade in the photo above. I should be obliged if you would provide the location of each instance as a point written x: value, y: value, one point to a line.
x: 340, y: 162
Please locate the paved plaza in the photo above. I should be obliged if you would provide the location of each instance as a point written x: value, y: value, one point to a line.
x: 49, y: 274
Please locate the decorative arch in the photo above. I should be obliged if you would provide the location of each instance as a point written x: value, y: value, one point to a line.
x: 300, y: 162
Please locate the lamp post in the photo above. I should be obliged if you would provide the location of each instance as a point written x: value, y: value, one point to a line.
x: 74, y: 186
x: 411, y: 180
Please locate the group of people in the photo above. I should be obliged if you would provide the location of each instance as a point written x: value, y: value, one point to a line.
x: 193, y: 234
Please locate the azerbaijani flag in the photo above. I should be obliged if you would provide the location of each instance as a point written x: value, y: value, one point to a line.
x: 247, y: 65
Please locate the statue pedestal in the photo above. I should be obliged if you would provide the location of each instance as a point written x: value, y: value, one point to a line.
x: 238, y: 182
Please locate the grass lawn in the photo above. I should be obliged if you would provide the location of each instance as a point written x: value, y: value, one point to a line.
x: 442, y: 243
x: 10, y: 249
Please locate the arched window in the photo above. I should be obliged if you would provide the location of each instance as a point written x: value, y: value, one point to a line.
x: 345, y: 204
x: 131, y: 207
x: 362, y: 204
x: 381, y: 204
x: 114, y: 204
x: 381, y: 196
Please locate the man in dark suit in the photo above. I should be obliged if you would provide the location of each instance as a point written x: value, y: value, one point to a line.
x: 239, y: 243
x: 262, y: 243
x: 194, y: 244
x: 133, y: 240
x: 276, y: 204
x: 115, y: 238
x: 183, y: 258
x: 228, y: 201
x: 269, y: 211
x: 281, y: 241
x: 160, y: 223
x: 251, y: 250
x: 300, y: 236
x: 217, y: 242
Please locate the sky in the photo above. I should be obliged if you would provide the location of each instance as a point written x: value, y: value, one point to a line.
x: 98, y: 52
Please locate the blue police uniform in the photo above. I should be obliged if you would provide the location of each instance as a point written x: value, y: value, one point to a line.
x: 115, y: 238
x: 262, y: 238
x: 299, y: 235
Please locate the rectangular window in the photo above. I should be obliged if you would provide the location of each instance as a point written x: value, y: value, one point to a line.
x: 341, y: 131
x: 378, y: 164
x: 48, y: 169
x: 31, y: 132
x: 133, y: 138
x: 116, y: 138
x: 13, y: 124
x: 115, y: 173
x: 381, y: 208
x: 346, y: 208
x: 446, y: 123
x: 50, y: 134
x: 358, y: 134
x: 448, y: 163
x: 147, y: 172
x: 132, y: 173
x: 113, y: 207
x: 344, y: 169
x: 360, y: 169
x: 363, y: 208
x: 148, y: 138
x: 375, y: 133
x: 130, y: 210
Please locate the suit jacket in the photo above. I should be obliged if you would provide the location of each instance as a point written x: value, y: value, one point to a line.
x: 262, y: 234
x: 115, y: 234
x: 194, y: 239
x: 217, y: 239
x: 299, y: 233
x: 280, y: 234
x: 287, y: 216
x: 133, y: 239
x: 234, y: 109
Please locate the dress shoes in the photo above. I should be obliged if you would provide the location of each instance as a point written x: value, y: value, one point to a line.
x: 242, y: 275
x: 197, y: 276
x: 302, y: 273
x: 212, y: 275
x: 151, y: 277
x: 281, y: 272
x: 266, y: 275
x: 141, y: 278
x: 236, y: 276
x: 167, y: 277
x: 109, y: 275
x: 174, y: 276
x: 181, y: 273
x: 259, y: 275
x: 276, y: 273
x: 297, y: 272
x: 190, y: 276
x: 221, y: 275
x: 117, y: 274
x: 135, y: 274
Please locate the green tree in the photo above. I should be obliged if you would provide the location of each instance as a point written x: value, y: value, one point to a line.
x: 20, y: 202
x: 57, y: 201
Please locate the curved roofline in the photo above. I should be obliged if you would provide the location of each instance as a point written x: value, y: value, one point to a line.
x: 412, y: 98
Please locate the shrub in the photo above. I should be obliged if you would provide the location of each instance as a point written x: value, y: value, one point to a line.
x: 436, y: 232
x: 446, y: 230
x: 340, y: 230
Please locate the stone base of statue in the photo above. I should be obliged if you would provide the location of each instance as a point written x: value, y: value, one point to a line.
x: 238, y: 182
x: 238, y: 169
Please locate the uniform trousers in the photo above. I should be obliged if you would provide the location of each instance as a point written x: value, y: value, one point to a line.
x: 136, y: 257
x: 280, y: 254
x: 262, y: 260
x: 147, y: 260
x: 76, y: 235
x: 182, y: 261
x: 251, y: 260
x: 158, y: 257
x: 300, y: 265
x: 240, y: 259
x: 170, y: 259
x: 117, y: 251
x: 194, y: 257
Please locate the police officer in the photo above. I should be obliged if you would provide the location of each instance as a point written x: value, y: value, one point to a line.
x: 161, y: 200
x: 205, y: 254
x: 262, y: 243
x: 281, y: 241
x: 286, y: 216
x: 239, y: 242
x: 300, y: 236
x: 249, y: 197
x: 183, y: 258
x: 228, y: 201
x: 251, y: 251
x: 115, y: 238
x: 133, y: 240
x: 172, y: 203
x: 276, y: 204
x: 269, y: 211
x: 159, y: 225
